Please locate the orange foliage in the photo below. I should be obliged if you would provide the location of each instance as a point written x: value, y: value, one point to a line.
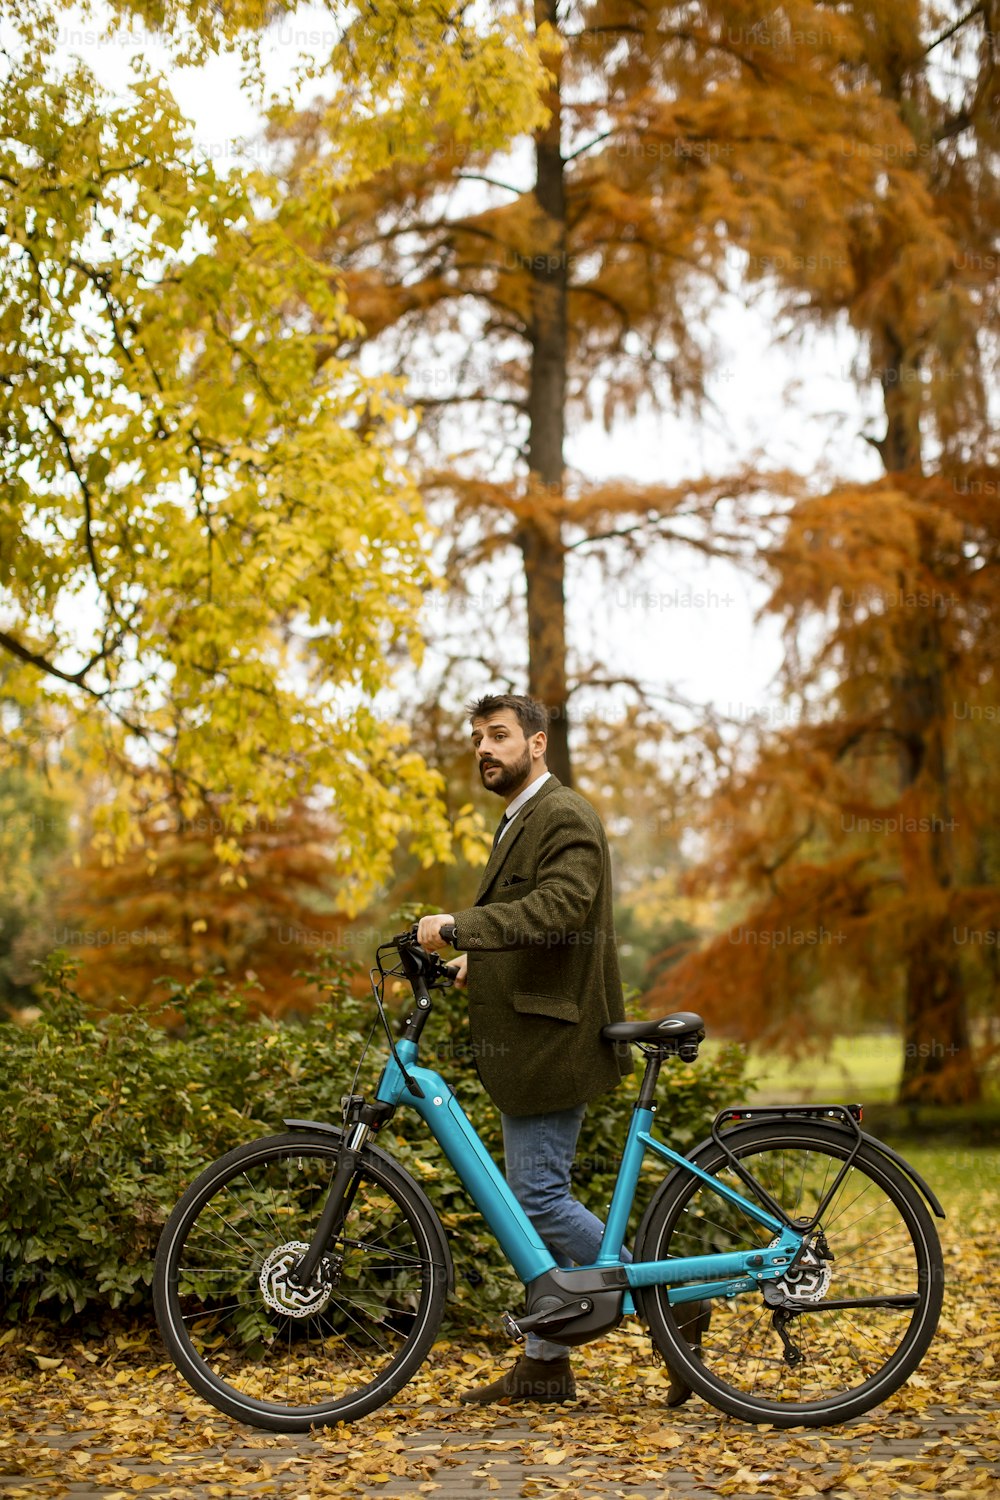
x: 163, y: 912
x: 858, y: 843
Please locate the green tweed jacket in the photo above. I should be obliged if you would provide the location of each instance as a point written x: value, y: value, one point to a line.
x: 543, y: 965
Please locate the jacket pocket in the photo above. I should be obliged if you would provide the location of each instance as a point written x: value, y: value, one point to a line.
x: 555, y: 1006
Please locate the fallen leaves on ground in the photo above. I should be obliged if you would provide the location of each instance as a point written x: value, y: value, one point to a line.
x: 114, y: 1416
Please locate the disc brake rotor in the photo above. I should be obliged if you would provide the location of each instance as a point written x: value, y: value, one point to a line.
x: 293, y: 1301
x: 810, y: 1279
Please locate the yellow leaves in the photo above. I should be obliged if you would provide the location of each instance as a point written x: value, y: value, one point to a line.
x: 413, y: 77
x: 665, y: 1437
x: 612, y: 1444
x: 245, y: 501
x: 227, y: 852
x: 472, y: 835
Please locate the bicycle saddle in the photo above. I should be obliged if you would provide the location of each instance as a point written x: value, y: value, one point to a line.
x: 680, y: 1024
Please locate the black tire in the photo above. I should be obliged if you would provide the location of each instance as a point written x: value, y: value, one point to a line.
x: 883, y: 1241
x: 347, y: 1346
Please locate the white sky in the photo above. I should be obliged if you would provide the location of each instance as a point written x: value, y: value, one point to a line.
x: 651, y: 627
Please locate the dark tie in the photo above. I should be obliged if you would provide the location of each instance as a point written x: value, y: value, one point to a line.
x: 500, y: 828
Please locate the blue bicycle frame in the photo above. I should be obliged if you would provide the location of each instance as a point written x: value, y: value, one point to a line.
x: 690, y: 1279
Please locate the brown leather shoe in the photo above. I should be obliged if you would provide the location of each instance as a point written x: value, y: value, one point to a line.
x: 692, y: 1320
x: 529, y: 1380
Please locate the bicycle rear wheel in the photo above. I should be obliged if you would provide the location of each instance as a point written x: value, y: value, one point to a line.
x: 876, y: 1241
x: 272, y: 1355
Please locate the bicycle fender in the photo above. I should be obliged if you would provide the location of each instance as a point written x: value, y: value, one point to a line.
x: 324, y: 1128
x: 911, y: 1172
x: 795, y: 1111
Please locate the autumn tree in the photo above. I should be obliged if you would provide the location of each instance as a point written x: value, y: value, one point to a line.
x: 161, y: 910
x: 211, y: 560
x: 570, y: 275
x: 870, y: 820
x: 831, y: 148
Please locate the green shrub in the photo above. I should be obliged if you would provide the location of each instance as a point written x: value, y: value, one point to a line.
x: 105, y: 1121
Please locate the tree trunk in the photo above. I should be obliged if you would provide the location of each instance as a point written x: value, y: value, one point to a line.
x: 938, y: 1064
x: 540, y: 536
x: 900, y: 381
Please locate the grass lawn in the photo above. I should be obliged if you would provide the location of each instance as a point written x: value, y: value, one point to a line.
x: 965, y: 1178
x: 862, y: 1068
x: 865, y: 1069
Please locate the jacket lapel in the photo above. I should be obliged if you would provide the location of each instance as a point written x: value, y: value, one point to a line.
x: 499, y: 855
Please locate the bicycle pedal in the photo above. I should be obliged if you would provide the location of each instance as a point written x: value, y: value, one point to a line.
x: 511, y: 1328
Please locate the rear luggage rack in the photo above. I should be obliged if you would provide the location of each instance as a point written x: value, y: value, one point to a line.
x: 844, y: 1112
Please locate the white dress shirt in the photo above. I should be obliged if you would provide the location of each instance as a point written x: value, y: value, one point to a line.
x: 519, y: 801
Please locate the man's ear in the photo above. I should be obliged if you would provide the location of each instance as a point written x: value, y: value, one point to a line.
x: 541, y: 738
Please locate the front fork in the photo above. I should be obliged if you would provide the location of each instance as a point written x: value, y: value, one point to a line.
x: 338, y: 1204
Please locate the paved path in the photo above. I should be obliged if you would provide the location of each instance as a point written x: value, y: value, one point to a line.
x: 546, y: 1455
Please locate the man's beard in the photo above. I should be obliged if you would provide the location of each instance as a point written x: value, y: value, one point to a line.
x: 509, y: 777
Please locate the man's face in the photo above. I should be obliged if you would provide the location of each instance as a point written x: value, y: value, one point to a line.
x: 503, y: 753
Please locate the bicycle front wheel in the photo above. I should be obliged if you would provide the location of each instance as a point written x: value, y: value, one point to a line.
x: 867, y: 1293
x: 271, y: 1354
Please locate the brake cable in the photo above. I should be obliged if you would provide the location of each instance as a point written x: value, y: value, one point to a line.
x: 411, y: 1083
x: 345, y: 1102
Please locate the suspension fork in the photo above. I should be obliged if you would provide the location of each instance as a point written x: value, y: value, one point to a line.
x: 343, y: 1188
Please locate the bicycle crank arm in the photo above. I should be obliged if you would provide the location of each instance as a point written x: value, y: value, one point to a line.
x: 549, y: 1321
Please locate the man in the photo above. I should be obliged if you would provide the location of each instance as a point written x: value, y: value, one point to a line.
x: 541, y: 968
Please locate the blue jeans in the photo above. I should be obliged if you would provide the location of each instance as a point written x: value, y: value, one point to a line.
x: 538, y: 1157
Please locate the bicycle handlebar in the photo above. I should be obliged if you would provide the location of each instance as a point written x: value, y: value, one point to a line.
x: 408, y: 939
x: 423, y: 967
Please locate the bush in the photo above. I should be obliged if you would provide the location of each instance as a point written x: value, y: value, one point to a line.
x: 106, y: 1120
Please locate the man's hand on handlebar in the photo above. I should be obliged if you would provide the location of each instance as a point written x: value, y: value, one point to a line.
x: 459, y: 967
x: 429, y: 932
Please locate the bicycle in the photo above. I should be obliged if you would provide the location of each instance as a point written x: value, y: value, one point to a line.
x: 301, y: 1279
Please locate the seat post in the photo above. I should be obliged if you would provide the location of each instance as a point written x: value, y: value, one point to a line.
x: 647, y: 1093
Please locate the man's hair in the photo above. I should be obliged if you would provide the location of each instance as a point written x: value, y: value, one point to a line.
x: 531, y: 715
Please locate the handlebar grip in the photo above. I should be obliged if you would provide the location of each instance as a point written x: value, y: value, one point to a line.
x: 408, y: 939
